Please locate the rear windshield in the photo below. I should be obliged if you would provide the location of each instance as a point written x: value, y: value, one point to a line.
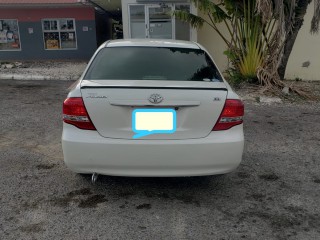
x: 152, y: 63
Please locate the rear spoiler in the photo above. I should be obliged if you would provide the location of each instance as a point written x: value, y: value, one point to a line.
x: 176, y: 88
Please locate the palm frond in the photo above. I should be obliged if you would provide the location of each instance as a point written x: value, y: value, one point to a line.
x: 194, y: 20
x: 218, y: 14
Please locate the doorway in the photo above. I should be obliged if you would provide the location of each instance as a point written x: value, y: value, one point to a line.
x: 156, y: 21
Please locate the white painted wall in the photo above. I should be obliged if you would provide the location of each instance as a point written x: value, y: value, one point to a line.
x: 306, y: 48
x: 208, y: 38
x: 125, y: 16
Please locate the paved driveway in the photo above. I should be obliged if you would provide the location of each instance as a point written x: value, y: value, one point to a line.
x: 274, y: 194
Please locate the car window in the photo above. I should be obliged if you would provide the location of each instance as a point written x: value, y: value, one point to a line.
x: 152, y: 63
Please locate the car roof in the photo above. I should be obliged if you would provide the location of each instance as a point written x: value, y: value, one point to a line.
x: 151, y: 43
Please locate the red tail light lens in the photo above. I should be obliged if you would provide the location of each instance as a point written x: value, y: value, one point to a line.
x: 231, y: 115
x: 75, y: 113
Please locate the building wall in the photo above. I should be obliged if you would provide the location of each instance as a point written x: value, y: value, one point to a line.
x: 208, y: 38
x: 306, y: 48
x: 32, y: 44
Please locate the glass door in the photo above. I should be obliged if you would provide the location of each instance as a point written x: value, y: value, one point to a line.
x: 159, y: 22
x: 156, y: 21
x: 137, y: 21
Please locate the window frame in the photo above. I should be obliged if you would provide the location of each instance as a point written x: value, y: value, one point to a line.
x: 19, y: 36
x: 59, y: 31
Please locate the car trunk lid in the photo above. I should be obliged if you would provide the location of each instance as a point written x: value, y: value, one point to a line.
x: 110, y: 105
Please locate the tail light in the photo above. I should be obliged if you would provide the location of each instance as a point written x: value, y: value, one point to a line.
x: 231, y: 115
x: 75, y: 113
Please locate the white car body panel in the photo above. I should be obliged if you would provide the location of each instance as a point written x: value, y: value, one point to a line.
x: 112, y: 151
x: 88, y: 152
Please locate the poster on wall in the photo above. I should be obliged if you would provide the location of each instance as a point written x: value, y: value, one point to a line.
x: 52, y: 44
x: 9, y: 35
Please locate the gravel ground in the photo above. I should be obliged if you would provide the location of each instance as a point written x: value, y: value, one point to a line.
x: 64, y: 70
x: 274, y: 194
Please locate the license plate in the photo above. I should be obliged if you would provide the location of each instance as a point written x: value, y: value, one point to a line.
x: 152, y: 121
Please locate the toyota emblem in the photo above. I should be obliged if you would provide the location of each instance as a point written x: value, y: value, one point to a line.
x: 155, y: 98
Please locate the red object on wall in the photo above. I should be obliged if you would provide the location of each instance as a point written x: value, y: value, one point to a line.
x: 36, y: 14
x: 37, y: 1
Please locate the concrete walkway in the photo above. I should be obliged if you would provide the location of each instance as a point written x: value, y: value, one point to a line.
x: 42, y: 70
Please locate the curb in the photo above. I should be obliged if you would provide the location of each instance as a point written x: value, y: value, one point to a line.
x: 36, y: 77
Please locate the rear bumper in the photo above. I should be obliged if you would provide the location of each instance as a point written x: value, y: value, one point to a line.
x: 88, y: 152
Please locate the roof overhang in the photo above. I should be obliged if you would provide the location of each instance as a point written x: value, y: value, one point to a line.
x: 41, y: 3
x: 111, y: 6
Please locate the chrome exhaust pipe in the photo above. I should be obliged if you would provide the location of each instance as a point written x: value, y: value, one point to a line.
x: 94, y: 178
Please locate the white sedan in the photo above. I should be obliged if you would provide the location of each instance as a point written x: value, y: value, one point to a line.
x: 152, y: 108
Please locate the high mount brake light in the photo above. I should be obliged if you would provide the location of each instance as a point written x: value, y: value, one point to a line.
x: 232, y: 115
x: 75, y: 113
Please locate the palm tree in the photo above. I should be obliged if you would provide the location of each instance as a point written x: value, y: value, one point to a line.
x: 261, y: 33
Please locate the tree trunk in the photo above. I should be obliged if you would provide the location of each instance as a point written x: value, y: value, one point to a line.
x: 300, y: 12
